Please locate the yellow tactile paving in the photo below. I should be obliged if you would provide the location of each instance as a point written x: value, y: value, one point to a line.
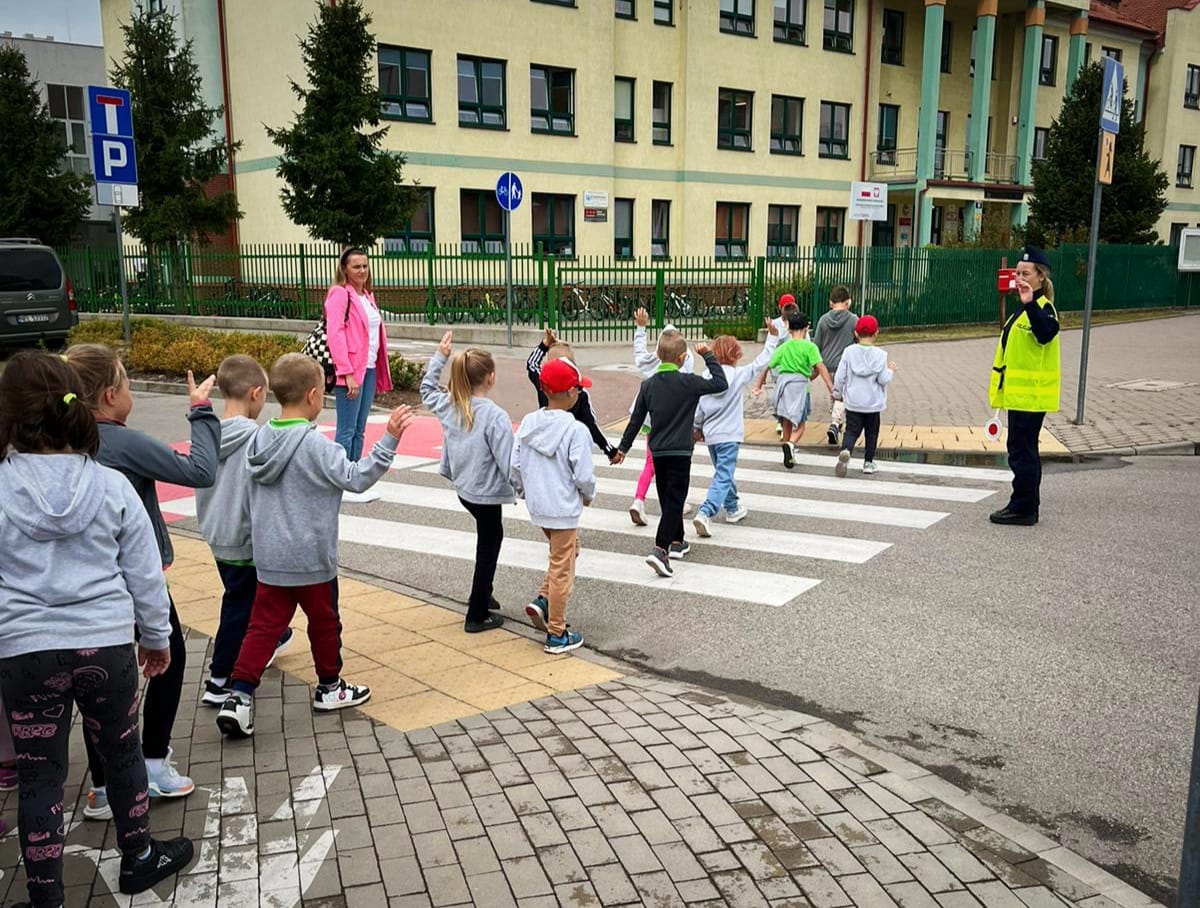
x: 421, y: 668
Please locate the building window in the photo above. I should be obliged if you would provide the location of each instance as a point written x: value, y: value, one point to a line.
x: 737, y: 17
x: 1113, y: 52
x: 661, y: 114
x: 893, y: 37
x: 552, y: 100
x: 787, y: 125
x: 481, y: 93
x: 623, y: 228
x: 733, y: 226
x: 1177, y: 234
x: 557, y: 2
x: 623, y: 109
x: 66, y: 107
x: 789, y: 21
x: 1191, y: 90
x: 783, y: 231
x: 417, y: 234
x: 660, y: 228
x: 939, y: 143
x: 1040, y: 134
x: 889, y: 128
x: 947, y: 45
x: 404, y: 84
x: 735, y: 110
x: 482, y: 221
x: 834, y: 138
x: 1048, y: 72
x: 664, y: 12
x: 625, y: 9
x: 1183, y: 170
x: 554, y: 223
x: 839, y: 25
x: 1087, y: 53
x: 829, y: 226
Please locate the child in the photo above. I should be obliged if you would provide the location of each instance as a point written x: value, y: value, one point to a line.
x: 787, y: 308
x: 862, y: 379
x: 476, y: 453
x: 648, y: 363
x: 798, y: 361
x: 720, y: 423
x: 146, y: 461
x: 297, y: 477
x: 80, y: 570
x: 833, y: 334
x: 552, y: 470
x: 670, y: 397
x: 224, y: 515
x: 548, y: 350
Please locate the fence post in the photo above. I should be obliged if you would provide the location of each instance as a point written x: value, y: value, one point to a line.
x: 304, y: 306
x: 552, y: 307
x: 189, y: 276
x: 758, y: 292
x: 430, y: 279
x: 91, y: 278
x: 659, y: 297
x: 541, y: 286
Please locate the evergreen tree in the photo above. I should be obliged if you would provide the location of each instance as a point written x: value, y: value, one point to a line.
x: 177, y: 150
x: 1061, y: 207
x: 37, y: 197
x: 339, y: 183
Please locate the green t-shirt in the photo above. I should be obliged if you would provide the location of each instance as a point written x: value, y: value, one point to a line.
x: 796, y: 357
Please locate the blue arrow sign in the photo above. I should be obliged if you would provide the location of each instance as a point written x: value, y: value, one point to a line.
x: 1110, y: 97
x: 509, y: 191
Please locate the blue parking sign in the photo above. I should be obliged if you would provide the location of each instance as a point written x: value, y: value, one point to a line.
x: 1112, y: 95
x: 509, y: 191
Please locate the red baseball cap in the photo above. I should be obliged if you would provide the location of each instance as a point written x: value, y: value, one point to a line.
x: 786, y: 300
x: 562, y: 375
x: 867, y: 324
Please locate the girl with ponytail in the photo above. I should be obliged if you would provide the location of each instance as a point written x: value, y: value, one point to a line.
x: 476, y: 449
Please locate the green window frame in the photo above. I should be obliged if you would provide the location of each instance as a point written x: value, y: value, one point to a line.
x: 947, y: 45
x: 623, y: 228
x: 1185, y: 164
x: 787, y: 125
x: 1191, y: 88
x: 417, y: 234
x: 554, y: 223
x: 664, y: 12
x: 783, y: 231
x: 834, y: 137
x: 552, y: 100
x: 830, y: 225
x: 732, y: 240
x: 889, y: 130
x: 660, y: 228
x: 624, y: 89
x: 789, y: 21
x: 482, y: 93
x: 1177, y: 229
x: 737, y: 17
x: 626, y: 9
x: 839, y: 26
x: 735, y: 119
x: 660, y: 114
x: 892, y: 48
x: 405, y: 89
x: 481, y: 222
x: 1048, y: 68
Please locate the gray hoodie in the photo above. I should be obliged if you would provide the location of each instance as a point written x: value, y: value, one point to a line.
x: 862, y: 379
x: 834, y: 333
x: 476, y: 460
x: 80, y: 564
x: 297, y: 479
x: 552, y: 468
x: 224, y: 509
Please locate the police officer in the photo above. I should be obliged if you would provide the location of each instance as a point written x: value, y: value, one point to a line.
x: 1025, y: 381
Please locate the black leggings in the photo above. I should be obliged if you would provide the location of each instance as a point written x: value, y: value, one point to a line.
x: 856, y: 424
x: 489, y: 535
x: 159, y: 706
x: 672, y: 478
x: 39, y: 690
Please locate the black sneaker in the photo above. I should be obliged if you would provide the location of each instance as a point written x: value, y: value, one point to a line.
x: 789, y: 460
x: 214, y: 695
x: 166, y: 857
x: 679, y: 549
x: 661, y: 562
x: 493, y: 605
x: 1008, y: 517
x: 831, y: 434
x: 491, y: 622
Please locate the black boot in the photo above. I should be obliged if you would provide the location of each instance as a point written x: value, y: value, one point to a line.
x: 1009, y: 517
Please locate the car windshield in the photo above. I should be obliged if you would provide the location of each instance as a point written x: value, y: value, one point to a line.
x: 29, y: 269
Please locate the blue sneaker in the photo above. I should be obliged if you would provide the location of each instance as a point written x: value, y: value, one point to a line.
x: 537, y: 611
x: 167, y: 782
x: 563, y: 643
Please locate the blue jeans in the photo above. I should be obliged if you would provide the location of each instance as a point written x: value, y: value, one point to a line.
x: 722, y: 493
x: 352, y: 415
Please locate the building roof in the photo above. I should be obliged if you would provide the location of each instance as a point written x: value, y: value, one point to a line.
x: 1123, y: 16
x: 1151, y: 13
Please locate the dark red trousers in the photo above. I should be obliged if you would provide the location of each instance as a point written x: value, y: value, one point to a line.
x: 273, y: 609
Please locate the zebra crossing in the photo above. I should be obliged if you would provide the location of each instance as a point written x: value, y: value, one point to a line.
x: 805, y: 526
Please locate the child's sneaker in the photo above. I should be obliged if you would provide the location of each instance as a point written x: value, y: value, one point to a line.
x: 537, y: 611
x: 737, y: 516
x: 214, y: 695
x: 236, y: 718
x: 842, y: 462
x: 563, y: 643
x: 869, y: 467
x: 97, y: 807
x: 340, y: 696
x: 661, y: 562
x: 165, y: 858
x: 831, y: 434
x: 284, y: 641
x: 8, y: 778
x: 700, y: 522
x: 679, y: 549
x: 789, y: 459
x: 778, y: 431
x: 166, y: 781
x: 688, y: 507
x: 637, y: 512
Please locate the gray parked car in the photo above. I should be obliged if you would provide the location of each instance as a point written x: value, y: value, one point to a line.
x: 37, y: 301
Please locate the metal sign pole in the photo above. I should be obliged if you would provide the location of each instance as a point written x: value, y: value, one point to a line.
x: 121, y: 274
x: 1189, y: 864
x: 862, y: 242
x: 508, y: 272
x: 1091, y: 281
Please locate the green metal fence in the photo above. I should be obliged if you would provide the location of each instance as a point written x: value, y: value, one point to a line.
x: 594, y: 298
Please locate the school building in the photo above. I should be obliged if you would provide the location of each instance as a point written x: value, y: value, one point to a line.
x: 731, y: 128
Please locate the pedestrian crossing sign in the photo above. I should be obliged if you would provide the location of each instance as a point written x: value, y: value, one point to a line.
x: 1111, y: 96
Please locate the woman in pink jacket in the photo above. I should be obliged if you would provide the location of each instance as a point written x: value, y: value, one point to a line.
x: 358, y: 345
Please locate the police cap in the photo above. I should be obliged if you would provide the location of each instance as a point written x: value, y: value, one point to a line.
x: 1036, y: 256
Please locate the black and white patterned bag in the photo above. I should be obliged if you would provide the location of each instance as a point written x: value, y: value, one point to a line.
x: 317, y: 346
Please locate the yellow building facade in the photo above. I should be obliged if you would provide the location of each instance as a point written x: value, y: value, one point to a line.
x: 682, y: 127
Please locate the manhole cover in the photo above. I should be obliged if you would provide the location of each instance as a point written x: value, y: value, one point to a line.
x: 1151, y: 384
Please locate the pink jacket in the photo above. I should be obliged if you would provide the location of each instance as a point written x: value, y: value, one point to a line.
x: 348, y: 340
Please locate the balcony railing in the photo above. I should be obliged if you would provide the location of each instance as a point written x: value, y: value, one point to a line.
x: 899, y: 164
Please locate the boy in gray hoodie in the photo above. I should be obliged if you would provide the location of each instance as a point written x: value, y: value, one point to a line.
x: 861, y: 383
x: 297, y: 479
x: 834, y: 333
x: 552, y: 470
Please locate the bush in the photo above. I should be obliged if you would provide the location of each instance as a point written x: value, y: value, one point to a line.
x: 740, y: 330
x: 406, y: 375
x: 799, y: 284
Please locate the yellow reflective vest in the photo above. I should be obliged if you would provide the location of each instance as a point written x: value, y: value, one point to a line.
x: 1025, y: 374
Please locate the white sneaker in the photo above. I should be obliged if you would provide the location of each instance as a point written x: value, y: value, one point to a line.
x: 688, y: 507
x: 97, y: 807
x: 737, y: 516
x: 340, y: 697
x: 361, y: 497
x: 700, y: 522
x: 236, y: 718
x: 168, y: 782
x: 869, y: 467
x: 843, y: 459
x: 637, y: 512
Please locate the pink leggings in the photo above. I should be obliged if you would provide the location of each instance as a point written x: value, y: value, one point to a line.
x: 647, y: 477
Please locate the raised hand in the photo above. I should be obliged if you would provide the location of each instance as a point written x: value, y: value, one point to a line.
x: 199, y: 395
x: 772, y: 328
x: 702, y: 349
x: 1024, y: 291
x: 400, y: 419
x: 550, y: 338
x: 445, y: 344
x: 641, y: 317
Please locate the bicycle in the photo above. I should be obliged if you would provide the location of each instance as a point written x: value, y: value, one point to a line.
x: 677, y: 305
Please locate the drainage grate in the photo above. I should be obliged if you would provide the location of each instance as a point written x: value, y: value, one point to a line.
x: 1151, y: 384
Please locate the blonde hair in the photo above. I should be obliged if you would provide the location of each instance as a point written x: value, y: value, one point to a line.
x: 671, y: 347
x: 560, y: 350
x: 293, y: 375
x: 727, y: 350
x: 238, y: 375
x: 1047, y: 284
x: 468, y: 371
x: 341, y: 276
x: 98, y: 367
